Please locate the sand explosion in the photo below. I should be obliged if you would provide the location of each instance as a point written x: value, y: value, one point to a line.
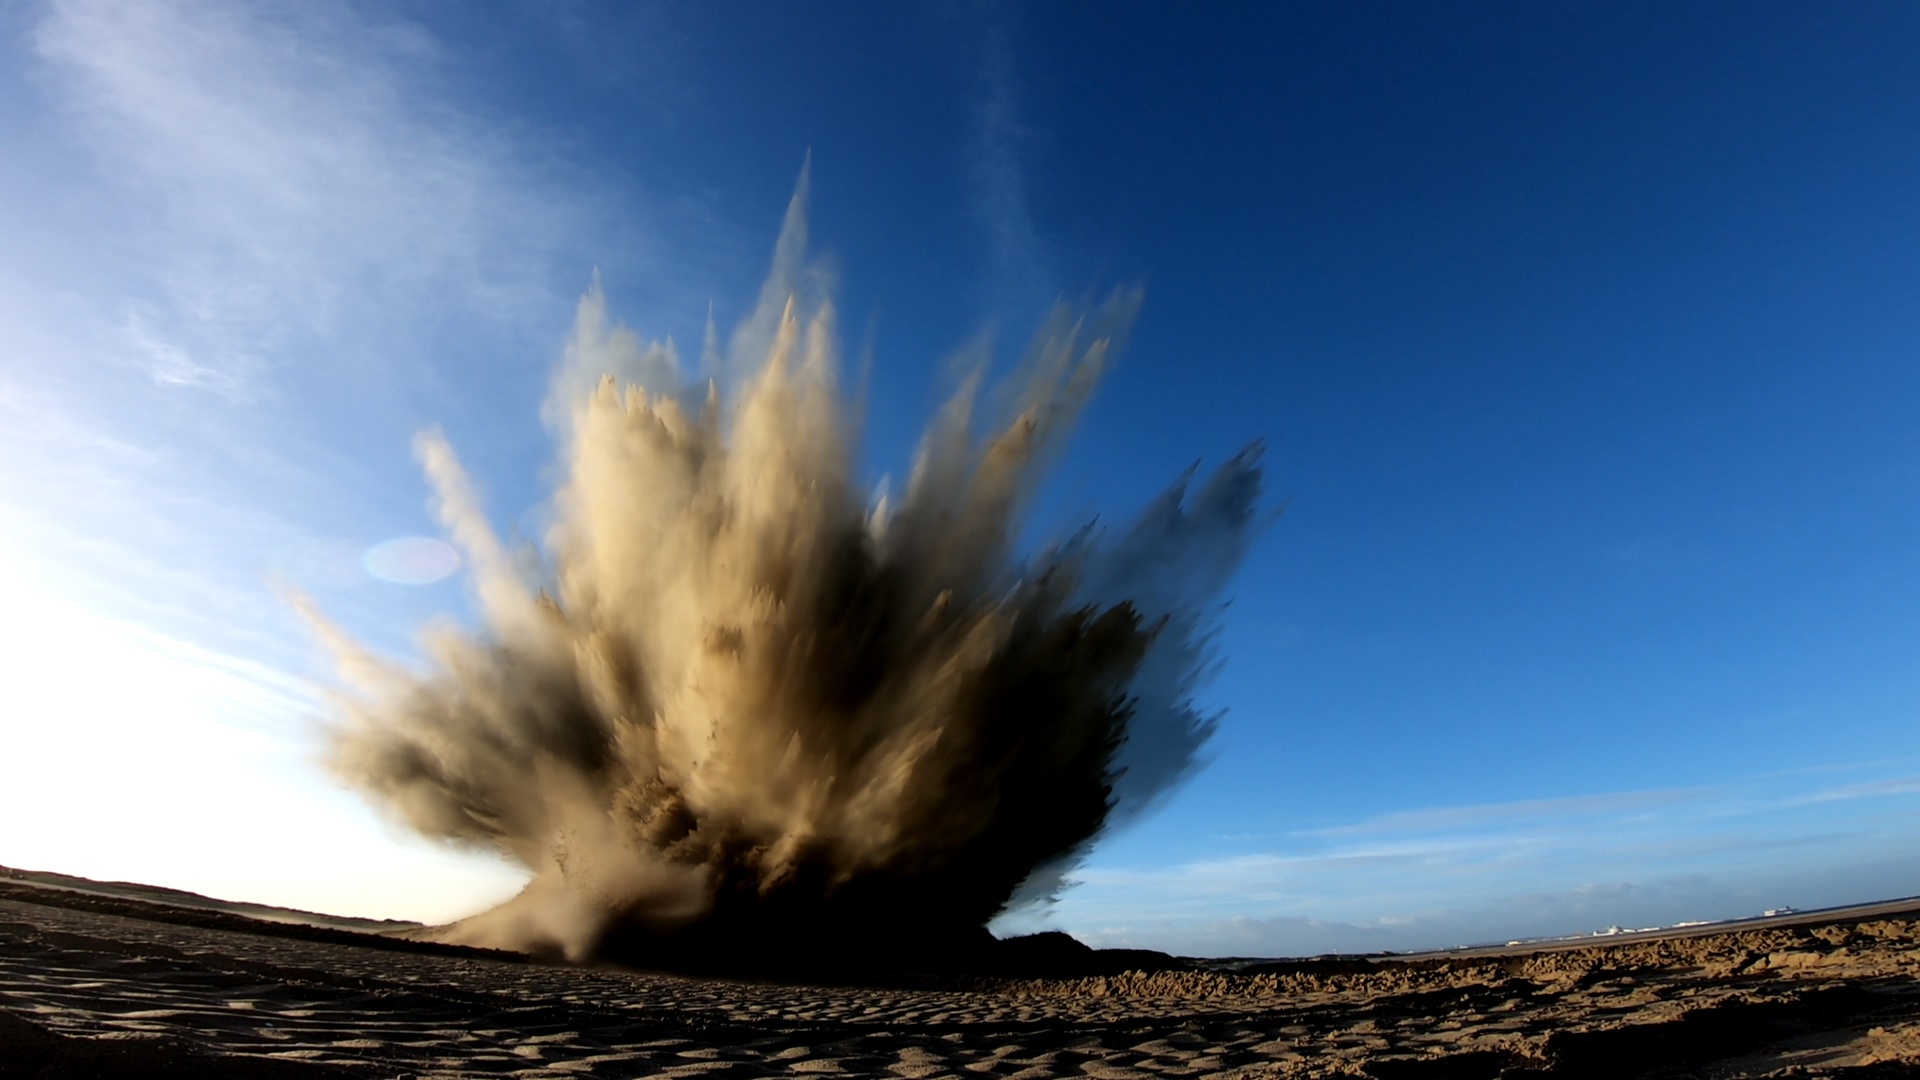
x: 738, y: 706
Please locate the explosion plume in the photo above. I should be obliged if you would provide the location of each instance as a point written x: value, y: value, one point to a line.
x: 737, y: 707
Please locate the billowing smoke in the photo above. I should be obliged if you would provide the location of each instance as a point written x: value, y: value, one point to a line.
x: 738, y: 703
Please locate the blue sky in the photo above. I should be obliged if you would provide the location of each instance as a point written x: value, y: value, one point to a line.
x: 1583, y: 339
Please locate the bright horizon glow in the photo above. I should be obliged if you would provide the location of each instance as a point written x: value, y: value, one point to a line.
x: 184, y: 747
x: 1582, y: 342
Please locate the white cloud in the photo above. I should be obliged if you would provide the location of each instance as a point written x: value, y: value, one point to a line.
x: 1900, y: 785
x: 290, y: 206
x: 1436, y: 877
x: 1020, y: 272
x: 295, y: 166
x: 1451, y: 818
x: 287, y: 197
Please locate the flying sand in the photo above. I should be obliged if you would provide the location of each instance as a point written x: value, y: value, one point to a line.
x: 744, y: 715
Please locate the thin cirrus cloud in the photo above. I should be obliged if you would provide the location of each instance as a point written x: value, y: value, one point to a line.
x: 1899, y: 785
x: 1572, y: 807
x: 1021, y: 268
x: 278, y: 198
x: 296, y: 201
x: 295, y: 169
x: 1442, y: 876
x: 287, y: 191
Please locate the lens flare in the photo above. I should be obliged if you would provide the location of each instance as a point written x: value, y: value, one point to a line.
x: 742, y: 711
x: 412, y: 560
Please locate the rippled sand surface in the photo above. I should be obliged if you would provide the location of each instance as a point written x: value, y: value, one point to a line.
x: 120, y: 995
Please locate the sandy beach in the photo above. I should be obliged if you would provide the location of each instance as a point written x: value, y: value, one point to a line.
x: 94, y: 985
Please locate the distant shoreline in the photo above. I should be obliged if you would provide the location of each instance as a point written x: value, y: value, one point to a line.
x: 184, y: 904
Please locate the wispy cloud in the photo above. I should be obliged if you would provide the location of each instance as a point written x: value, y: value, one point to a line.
x: 1899, y: 785
x: 1450, y: 818
x: 286, y: 162
x: 1447, y: 875
x: 291, y: 206
x: 296, y: 223
x: 1020, y: 271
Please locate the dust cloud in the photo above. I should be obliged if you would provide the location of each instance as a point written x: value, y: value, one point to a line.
x: 739, y: 708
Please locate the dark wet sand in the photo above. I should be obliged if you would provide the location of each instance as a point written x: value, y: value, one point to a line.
x: 94, y: 986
